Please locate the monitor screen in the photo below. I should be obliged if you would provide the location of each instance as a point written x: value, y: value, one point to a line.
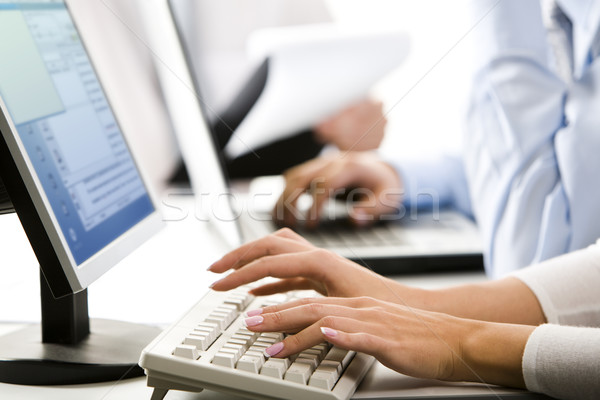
x: 67, y: 129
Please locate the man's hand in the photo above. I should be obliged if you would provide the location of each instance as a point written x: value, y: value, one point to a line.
x: 371, y: 188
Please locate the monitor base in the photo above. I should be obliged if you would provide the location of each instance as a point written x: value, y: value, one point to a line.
x: 111, y: 352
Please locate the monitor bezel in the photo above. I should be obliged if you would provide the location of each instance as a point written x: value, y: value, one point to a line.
x: 60, y: 269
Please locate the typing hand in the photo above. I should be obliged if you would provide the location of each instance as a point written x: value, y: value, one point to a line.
x: 419, y: 343
x: 410, y: 341
x: 300, y: 266
x: 374, y: 188
x: 359, y: 128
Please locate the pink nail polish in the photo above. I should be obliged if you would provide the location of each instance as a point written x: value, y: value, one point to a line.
x: 274, y: 350
x: 252, y: 321
x: 253, y: 313
x: 329, y: 332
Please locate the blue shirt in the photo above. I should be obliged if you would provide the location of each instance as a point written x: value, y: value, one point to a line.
x: 531, y: 162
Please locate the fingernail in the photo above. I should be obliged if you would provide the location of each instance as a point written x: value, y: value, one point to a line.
x: 214, y: 283
x: 252, y: 321
x: 274, y: 350
x: 329, y: 332
x: 213, y: 264
x: 252, y: 313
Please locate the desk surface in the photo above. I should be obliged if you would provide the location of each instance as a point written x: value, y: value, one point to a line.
x: 156, y: 284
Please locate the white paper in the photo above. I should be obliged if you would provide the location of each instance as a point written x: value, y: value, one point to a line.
x: 314, y: 72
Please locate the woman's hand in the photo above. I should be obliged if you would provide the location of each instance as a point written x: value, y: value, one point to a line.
x: 300, y: 265
x: 411, y: 341
x: 372, y: 188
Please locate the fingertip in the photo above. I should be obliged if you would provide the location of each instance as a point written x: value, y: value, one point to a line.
x: 217, y: 286
x: 274, y: 349
x: 329, y: 333
x: 253, y: 313
x: 219, y: 266
x: 259, y: 291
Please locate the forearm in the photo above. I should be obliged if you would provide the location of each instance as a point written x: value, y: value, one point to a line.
x: 508, y: 301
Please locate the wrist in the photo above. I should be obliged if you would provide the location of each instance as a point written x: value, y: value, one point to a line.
x: 493, y: 352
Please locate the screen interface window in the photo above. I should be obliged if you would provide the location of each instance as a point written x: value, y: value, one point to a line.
x: 64, y: 120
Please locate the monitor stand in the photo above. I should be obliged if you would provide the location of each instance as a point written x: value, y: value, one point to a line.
x: 63, y: 350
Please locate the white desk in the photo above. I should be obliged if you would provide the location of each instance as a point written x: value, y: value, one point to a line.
x: 156, y: 285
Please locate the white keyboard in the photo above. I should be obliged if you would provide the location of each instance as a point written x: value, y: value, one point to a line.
x: 209, y: 348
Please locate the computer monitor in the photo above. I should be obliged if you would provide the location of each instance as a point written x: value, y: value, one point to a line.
x: 75, y: 187
x: 197, y: 145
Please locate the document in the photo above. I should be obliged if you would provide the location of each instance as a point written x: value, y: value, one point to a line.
x: 314, y: 73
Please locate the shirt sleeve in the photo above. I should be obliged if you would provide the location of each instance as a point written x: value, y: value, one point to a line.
x: 567, y: 287
x: 436, y: 182
x: 516, y: 109
x: 559, y: 360
x: 563, y: 362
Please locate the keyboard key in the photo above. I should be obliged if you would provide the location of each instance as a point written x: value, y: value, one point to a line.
x: 200, y: 342
x: 324, y: 378
x: 186, y: 351
x: 246, y: 332
x: 258, y: 349
x: 237, y: 302
x: 313, y: 352
x: 221, y: 319
x: 322, y: 349
x: 258, y: 354
x: 239, y: 299
x: 224, y: 359
x: 201, y: 330
x: 277, y: 336
x: 333, y: 364
x: 275, y: 367
x: 250, y: 363
x: 245, y: 338
x: 217, y: 319
x: 268, y: 341
x: 243, y: 343
x: 286, y: 362
x: 239, y: 350
x: 310, y: 359
x: 299, y: 373
x: 230, y: 315
x: 340, y: 355
x: 230, y: 307
x: 208, y: 325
